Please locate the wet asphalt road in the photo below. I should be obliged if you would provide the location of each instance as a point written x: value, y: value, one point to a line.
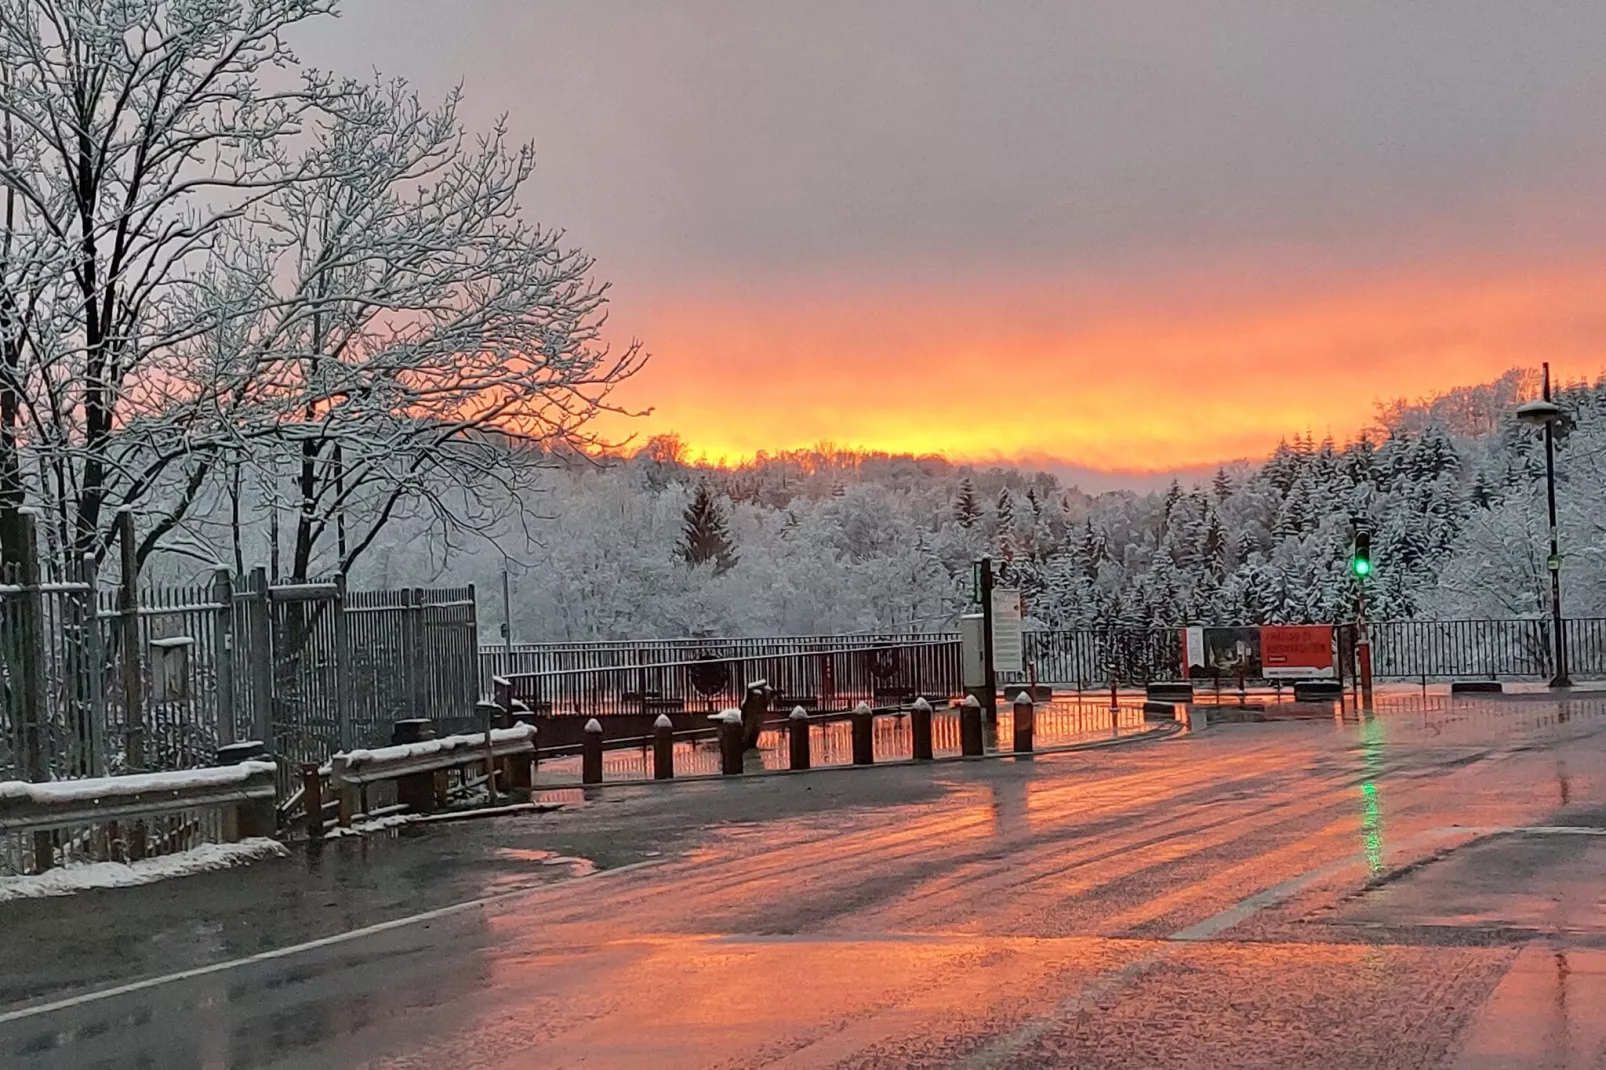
x: 1421, y: 888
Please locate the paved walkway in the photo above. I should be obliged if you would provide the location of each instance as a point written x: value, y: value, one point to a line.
x: 1422, y: 888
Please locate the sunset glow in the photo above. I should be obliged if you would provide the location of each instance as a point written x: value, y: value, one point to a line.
x: 1123, y: 379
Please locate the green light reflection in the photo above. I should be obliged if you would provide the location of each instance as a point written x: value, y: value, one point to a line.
x: 1371, y: 806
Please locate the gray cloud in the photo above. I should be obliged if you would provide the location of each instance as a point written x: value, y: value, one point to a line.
x: 730, y: 137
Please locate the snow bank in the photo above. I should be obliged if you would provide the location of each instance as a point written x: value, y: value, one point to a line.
x: 69, y: 879
x: 428, y: 747
x: 90, y: 789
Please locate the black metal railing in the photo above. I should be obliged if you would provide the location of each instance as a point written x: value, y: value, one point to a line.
x: 884, y: 674
x: 526, y: 658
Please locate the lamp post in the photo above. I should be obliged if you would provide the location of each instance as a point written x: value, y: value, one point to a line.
x: 1544, y: 413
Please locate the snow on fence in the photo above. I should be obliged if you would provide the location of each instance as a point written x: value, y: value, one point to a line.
x: 427, y: 756
x: 125, y: 818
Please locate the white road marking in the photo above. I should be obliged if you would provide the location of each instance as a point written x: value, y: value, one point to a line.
x: 310, y: 945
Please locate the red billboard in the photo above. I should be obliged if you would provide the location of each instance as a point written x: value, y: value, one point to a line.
x: 1301, y: 651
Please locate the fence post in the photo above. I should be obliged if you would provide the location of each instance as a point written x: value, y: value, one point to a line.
x: 412, y: 652
x: 223, y: 653
x: 348, y: 735
x: 128, y: 614
x: 591, y: 753
x: 863, y: 734
x: 1023, y: 723
x: 92, y: 667
x: 797, y: 738
x: 259, y: 656
x: 920, y: 729
x: 970, y: 727
x: 255, y: 817
x: 26, y: 655
x: 471, y: 678
x: 663, y: 748
x: 312, y: 798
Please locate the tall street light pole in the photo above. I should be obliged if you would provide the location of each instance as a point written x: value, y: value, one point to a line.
x: 1544, y: 413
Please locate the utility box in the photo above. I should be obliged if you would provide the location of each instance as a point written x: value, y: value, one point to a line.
x: 170, y: 668
x: 972, y: 657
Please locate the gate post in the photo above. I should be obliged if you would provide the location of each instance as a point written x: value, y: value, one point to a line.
x: 413, y: 652
x: 223, y: 653
x: 259, y: 657
x: 343, y: 697
x: 128, y: 612
x: 91, y: 666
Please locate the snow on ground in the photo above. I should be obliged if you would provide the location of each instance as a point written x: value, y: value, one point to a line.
x: 69, y: 879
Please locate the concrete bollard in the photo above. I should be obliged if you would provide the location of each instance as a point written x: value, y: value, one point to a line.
x: 1023, y: 723
x: 591, y: 753
x: 797, y: 737
x: 970, y: 727
x: 663, y: 748
x: 920, y: 729
x: 312, y: 799
x: 863, y: 734
x: 730, y: 741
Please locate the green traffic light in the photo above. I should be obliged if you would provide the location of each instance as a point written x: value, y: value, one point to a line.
x: 1362, y: 566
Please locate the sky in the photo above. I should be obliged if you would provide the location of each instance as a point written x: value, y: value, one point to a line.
x: 1117, y: 236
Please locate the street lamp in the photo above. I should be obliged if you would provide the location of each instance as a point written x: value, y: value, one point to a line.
x: 1544, y: 413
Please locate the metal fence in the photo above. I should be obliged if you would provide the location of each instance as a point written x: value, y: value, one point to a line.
x: 96, y: 682
x: 1082, y: 658
x: 1488, y: 649
x: 523, y: 658
x: 885, y: 673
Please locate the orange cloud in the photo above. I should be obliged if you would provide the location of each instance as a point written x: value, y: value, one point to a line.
x: 1122, y: 375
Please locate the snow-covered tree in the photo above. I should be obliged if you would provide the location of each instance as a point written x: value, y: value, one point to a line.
x: 226, y: 276
x: 705, y: 538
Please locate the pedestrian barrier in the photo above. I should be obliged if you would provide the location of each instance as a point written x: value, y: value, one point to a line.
x: 416, y: 766
x: 245, y: 792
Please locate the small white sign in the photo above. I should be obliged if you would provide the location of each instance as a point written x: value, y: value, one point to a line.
x: 1009, y: 654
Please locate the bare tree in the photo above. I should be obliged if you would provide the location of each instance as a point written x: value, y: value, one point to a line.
x: 423, y: 341
x: 220, y: 272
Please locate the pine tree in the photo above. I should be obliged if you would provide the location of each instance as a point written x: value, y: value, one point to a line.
x: 1006, y: 512
x: 1214, y: 551
x: 1222, y: 484
x: 704, y: 537
x: 966, y: 509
